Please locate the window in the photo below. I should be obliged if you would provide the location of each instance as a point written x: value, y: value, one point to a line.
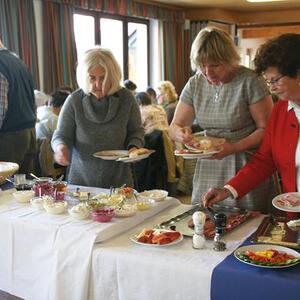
x: 126, y: 37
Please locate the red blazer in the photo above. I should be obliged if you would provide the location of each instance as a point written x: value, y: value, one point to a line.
x: 277, y: 152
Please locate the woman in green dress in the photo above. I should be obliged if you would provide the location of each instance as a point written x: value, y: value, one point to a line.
x: 228, y: 101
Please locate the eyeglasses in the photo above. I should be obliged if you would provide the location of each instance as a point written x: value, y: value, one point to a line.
x: 273, y: 81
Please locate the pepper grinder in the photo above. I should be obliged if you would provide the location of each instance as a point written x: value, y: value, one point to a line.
x: 220, y: 224
x: 198, y: 236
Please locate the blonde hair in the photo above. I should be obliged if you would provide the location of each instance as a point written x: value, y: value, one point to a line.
x: 213, y: 45
x: 1, y: 44
x: 168, y: 91
x: 103, y: 57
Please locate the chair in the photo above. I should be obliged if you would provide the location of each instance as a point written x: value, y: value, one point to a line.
x: 151, y: 173
x: 47, y: 165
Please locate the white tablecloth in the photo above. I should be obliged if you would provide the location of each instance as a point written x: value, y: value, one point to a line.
x: 46, y: 256
x: 126, y: 271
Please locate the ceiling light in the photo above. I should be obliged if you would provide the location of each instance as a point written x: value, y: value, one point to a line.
x: 264, y: 0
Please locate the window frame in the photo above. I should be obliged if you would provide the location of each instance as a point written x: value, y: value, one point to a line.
x: 98, y: 15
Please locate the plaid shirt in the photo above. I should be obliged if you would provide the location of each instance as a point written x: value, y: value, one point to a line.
x: 3, y: 97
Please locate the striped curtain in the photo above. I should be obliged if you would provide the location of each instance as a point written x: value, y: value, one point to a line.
x: 59, y: 46
x: 174, y: 62
x: 18, y: 33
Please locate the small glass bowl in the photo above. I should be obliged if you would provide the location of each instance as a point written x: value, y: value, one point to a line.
x: 79, y: 211
x: 143, y: 203
x: 156, y: 195
x: 127, y: 210
x: 103, y: 215
x: 38, y: 202
x: 56, y: 208
x: 23, y: 196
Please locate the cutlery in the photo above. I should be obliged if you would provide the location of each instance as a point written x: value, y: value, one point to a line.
x: 34, y: 176
x: 9, y: 180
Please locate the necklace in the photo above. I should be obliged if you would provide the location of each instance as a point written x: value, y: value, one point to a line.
x: 217, y: 92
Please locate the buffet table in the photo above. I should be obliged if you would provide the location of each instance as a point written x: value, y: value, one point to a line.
x: 55, y: 257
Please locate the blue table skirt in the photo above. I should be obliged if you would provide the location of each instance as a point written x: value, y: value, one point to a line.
x: 234, y: 280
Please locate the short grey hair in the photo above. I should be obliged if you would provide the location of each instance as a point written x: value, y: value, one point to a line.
x: 214, y: 45
x: 103, y: 57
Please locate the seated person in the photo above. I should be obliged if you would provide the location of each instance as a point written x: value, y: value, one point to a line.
x: 153, y: 116
x: 167, y: 98
x: 152, y: 93
x: 48, y: 115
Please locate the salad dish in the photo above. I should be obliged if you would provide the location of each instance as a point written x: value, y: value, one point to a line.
x: 267, y: 256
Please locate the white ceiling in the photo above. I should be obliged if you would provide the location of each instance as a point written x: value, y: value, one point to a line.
x: 237, y: 5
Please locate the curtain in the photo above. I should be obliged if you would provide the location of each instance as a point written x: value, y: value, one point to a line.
x: 174, y: 62
x: 59, y: 46
x: 128, y: 8
x: 18, y: 33
x: 173, y: 57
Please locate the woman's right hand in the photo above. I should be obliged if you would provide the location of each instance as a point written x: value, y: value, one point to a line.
x: 214, y: 195
x: 62, y: 155
x: 181, y: 134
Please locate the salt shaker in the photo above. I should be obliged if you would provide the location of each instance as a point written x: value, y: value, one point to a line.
x: 198, y: 236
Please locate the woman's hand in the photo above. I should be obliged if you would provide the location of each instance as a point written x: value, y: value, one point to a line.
x: 225, y: 150
x: 214, y: 195
x: 62, y: 155
x: 183, y: 134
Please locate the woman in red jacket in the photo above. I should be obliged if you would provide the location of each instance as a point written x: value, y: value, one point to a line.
x: 278, y: 60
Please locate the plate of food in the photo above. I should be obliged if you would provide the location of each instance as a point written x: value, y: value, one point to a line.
x: 287, y: 202
x: 157, y: 237
x: 267, y: 256
x: 136, y: 155
x: 194, y: 154
x: 205, y: 143
x: 111, y: 154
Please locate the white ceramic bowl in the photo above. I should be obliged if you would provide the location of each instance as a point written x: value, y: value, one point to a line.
x: 56, y: 208
x: 127, y: 210
x: 23, y: 196
x: 156, y: 195
x: 79, y: 212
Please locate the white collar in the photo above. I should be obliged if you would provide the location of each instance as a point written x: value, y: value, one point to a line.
x: 293, y: 105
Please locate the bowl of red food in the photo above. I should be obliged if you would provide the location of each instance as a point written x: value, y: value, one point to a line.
x: 103, y: 215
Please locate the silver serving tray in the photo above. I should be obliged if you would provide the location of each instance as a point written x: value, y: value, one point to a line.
x: 180, y: 222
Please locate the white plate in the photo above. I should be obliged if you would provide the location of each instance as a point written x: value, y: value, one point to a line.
x: 111, y: 154
x: 264, y: 247
x: 7, y: 169
x: 195, y: 155
x: 128, y: 159
x: 284, y: 208
x: 134, y: 239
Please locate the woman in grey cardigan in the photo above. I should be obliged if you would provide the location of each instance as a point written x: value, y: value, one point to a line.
x: 101, y: 115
